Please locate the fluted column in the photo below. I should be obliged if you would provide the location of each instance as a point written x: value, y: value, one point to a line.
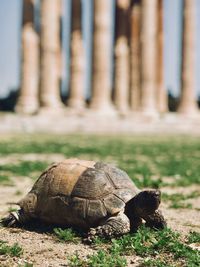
x: 101, y: 60
x: 50, y: 49
x: 162, y: 101
x: 28, y: 95
x: 188, y: 104
x: 148, y: 55
x: 76, y: 99
x: 135, y: 74
x: 121, y: 80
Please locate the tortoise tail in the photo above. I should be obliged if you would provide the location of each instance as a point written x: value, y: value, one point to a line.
x: 14, y: 219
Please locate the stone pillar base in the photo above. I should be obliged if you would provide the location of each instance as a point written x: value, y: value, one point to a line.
x: 71, y: 111
x: 76, y: 104
x: 49, y: 111
x: 122, y: 110
x: 149, y: 112
x: 189, y: 111
x: 51, y: 102
x: 26, y: 106
x: 102, y: 108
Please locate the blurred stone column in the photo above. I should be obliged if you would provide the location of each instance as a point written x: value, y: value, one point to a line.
x: 77, y: 67
x: 188, y: 104
x: 28, y: 94
x: 135, y: 74
x: 60, y: 60
x: 50, y: 50
x: 101, y: 58
x: 121, y: 78
x: 148, y: 56
x: 162, y: 98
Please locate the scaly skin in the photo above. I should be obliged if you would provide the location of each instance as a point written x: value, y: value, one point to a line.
x: 155, y: 220
x: 112, y: 227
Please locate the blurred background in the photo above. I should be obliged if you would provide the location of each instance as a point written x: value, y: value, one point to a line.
x: 115, y: 81
x: 116, y: 56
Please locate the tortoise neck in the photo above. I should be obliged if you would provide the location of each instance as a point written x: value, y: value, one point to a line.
x: 131, y: 209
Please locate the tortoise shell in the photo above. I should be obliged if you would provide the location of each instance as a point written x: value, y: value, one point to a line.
x: 79, y: 193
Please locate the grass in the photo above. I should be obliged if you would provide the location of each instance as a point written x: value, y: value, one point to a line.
x: 13, y: 251
x: 5, y: 180
x: 156, y: 263
x: 193, y: 237
x: 99, y: 259
x: 11, y: 209
x: 66, y: 235
x: 26, y: 264
x: 176, y: 201
x: 24, y: 168
x: 150, y: 161
x: 146, y: 159
x: 158, y: 248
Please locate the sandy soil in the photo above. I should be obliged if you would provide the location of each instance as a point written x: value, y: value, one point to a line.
x: 43, y: 249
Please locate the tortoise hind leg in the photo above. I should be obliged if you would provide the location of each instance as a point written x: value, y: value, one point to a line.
x: 14, y: 219
x: 112, y: 227
x: 27, y: 212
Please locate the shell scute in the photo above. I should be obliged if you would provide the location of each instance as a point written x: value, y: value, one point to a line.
x: 95, y: 211
x: 59, y: 179
x: 118, y: 177
x: 113, y: 204
x: 92, y: 184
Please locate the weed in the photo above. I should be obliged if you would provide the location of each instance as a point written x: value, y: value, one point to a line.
x: 154, y: 245
x: 180, y: 205
x: 180, y: 197
x: 18, y: 193
x: 5, y: 180
x: 26, y: 264
x: 105, y: 259
x: 99, y: 259
x: 67, y: 235
x: 76, y: 261
x: 147, y: 181
x: 14, y: 250
x: 144, y: 243
x: 24, y: 168
x: 149, y: 243
x: 176, y: 200
x: 11, y: 209
x: 193, y: 237
x: 100, y: 241
x: 156, y: 263
x: 139, y: 242
x: 143, y: 157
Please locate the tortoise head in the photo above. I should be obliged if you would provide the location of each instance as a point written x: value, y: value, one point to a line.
x: 145, y: 202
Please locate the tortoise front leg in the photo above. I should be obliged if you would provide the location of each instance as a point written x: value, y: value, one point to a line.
x: 112, y: 227
x: 155, y: 220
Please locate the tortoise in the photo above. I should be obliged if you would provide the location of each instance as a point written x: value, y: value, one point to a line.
x: 95, y: 197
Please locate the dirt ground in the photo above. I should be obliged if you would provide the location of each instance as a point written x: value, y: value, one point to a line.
x: 43, y: 249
